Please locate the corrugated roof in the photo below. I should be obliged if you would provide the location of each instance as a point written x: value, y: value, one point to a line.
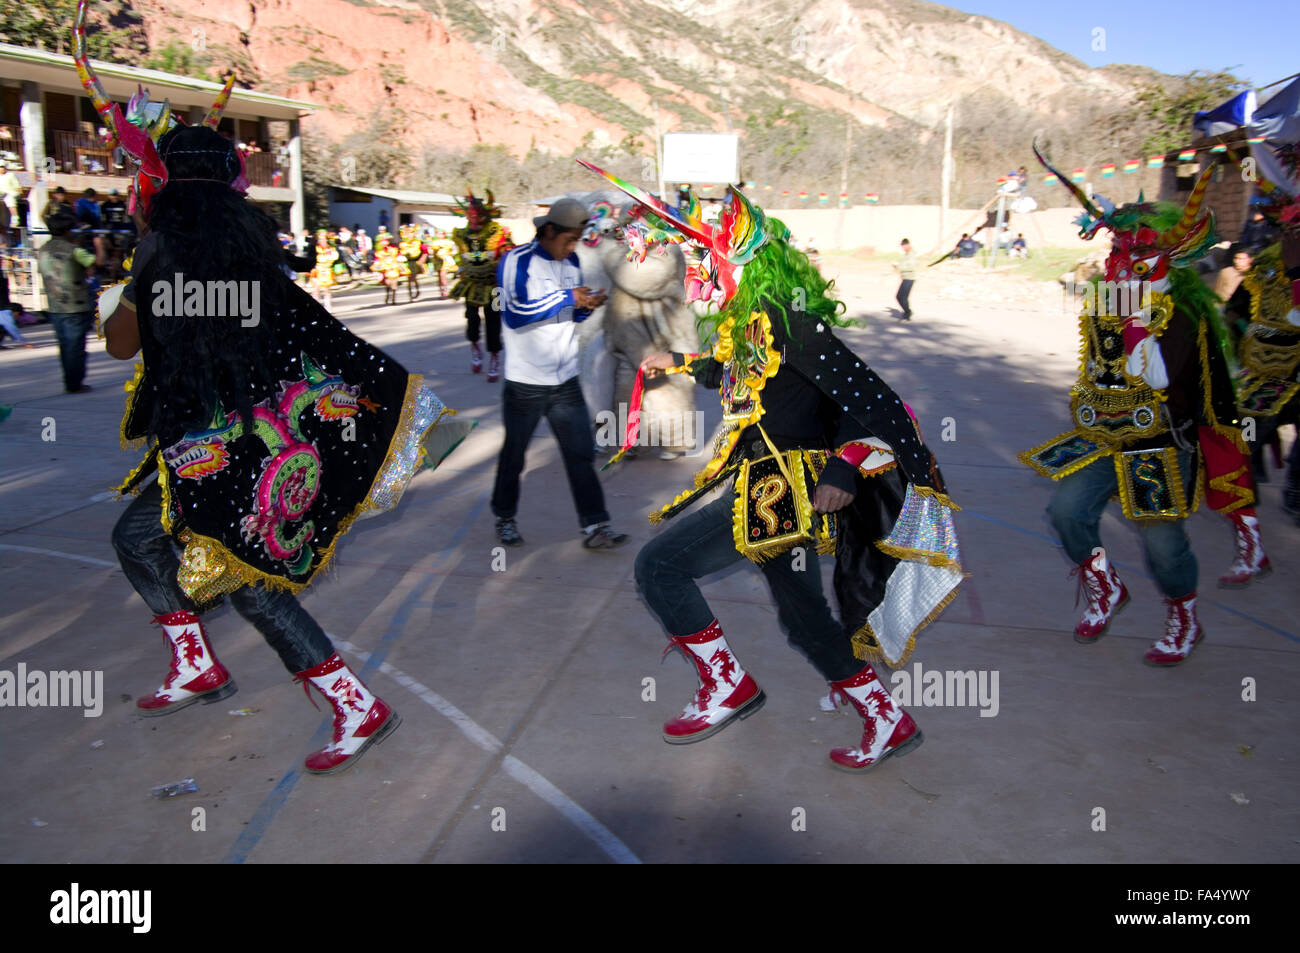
x: 403, y: 195
x: 138, y: 74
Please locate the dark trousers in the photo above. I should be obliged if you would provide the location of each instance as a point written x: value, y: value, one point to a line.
x: 701, y: 543
x: 492, y: 317
x: 1081, y: 498
x: 562, y: 405
x: 149, y: 560
x: 70, y: 329
x: 904, y: 292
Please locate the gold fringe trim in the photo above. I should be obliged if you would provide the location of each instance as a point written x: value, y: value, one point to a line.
x: 863, y: 638
x: 150, y: 459
x: 797, y: 481
x: 1176, y: 488
x: 99, y: 318
x: 1230, y: 433
x: 911, y: 555
x: 936, y: 494
x: 132, y: 389
x: 239, y: 569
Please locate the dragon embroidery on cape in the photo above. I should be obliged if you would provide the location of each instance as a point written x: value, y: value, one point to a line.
x: 290, y: 477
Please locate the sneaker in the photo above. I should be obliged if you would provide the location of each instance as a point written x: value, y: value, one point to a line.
x: 601, y: 536
x: 508, y: 532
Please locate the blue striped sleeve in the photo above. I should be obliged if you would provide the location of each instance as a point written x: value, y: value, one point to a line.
x: 517, y: 309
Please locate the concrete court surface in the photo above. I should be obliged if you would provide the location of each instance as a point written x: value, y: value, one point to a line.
x: 522, y: 690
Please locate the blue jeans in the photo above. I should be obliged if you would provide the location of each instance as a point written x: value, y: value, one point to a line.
x: 70, y: 329
x: 700, y: 543
x: 149, y: 560
x: 1081, y: 498
x: 562, y: 405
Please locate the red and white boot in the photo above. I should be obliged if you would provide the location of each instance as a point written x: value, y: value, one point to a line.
x: 1251, y: 562
x: 195, y: 674
x: 494, y: 367
x: 887, y: 729
x: 726, y: 692
x: 1182, y: 632
x: 361, y: 719
x: 1105, y: 593
x: 475, y: 358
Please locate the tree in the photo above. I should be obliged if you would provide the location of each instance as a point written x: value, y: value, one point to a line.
x: 1167, y: 107
x: 48, y: 25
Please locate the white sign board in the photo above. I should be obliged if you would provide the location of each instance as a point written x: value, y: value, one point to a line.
x: 701, y: 158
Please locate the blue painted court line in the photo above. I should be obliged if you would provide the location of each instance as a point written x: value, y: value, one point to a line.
x: 1140, y: 571
x: 267, y: 811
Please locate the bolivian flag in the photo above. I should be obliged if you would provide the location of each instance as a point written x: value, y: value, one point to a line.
x: 1132, y: 165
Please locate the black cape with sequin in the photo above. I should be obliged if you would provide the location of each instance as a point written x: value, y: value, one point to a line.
x: 856, y: 404
x: 267, y: 502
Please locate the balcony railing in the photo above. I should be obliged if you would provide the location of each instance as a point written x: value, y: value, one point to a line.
x: 267, y: 168
x: 82, y: 154
x: 11, y: 145
x: 78, y: 153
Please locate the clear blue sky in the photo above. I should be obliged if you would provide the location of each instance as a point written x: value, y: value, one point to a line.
x: 1257, y: 38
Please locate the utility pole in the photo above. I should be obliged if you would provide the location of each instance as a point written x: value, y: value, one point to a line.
x: 659, y: 155
x: 946, y: 173
x: 844, y: 182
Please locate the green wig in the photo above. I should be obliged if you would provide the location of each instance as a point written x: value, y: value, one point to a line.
x: 781, y: 279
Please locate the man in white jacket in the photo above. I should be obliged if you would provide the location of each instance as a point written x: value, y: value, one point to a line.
x: 543, y: 300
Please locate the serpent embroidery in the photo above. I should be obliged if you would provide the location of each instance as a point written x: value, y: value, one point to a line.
x: 290, y: 477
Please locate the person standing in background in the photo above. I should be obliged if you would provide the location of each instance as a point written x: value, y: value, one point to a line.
x: 544, y: 302
x: 63, y: 268
x: 907, y: 272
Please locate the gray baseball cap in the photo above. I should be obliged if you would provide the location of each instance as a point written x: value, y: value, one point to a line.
x: 566, y: 213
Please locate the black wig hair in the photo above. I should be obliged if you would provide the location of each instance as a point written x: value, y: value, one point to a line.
x: 207, y: 231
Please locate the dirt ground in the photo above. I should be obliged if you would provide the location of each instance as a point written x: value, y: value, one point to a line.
x: 527, y: 733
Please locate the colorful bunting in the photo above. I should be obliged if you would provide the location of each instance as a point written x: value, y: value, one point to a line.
x: 1156, y: 162
x: 1187, y: 155
x: 872, y: 198
x: 1132, y: 165
x: 1078, y: 175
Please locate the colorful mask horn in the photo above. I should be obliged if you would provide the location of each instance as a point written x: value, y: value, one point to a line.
x: 1096, y: 217
x: 134, y: 141
x: 213, y: 118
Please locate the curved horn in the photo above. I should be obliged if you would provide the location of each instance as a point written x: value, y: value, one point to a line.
x: 1086, y: 202
x: 695, y: 230
x: 490, y: 200
x: 103, y: 105
x: 1191, y: 210
x: 219, y: 105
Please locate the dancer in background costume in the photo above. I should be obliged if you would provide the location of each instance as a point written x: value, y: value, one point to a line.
x: 1268, y: 300
x: 389, y: 266
x: 270, y: 430
x: 322, y: 274
x: 480, y: 245
x: 1153, y: 402
x: 412, y: 249
x: 825, y: 458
